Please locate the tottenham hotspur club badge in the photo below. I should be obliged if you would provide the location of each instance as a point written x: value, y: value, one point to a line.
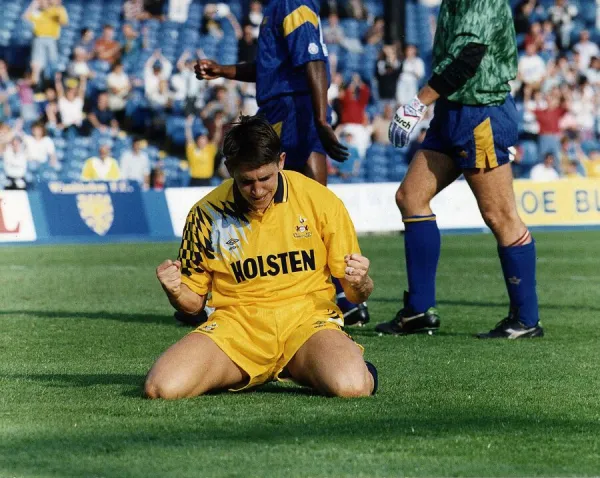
x: 302, y: 229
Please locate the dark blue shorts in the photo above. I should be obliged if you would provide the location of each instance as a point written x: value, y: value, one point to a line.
x: 473, y: 136
x: 293, y: 119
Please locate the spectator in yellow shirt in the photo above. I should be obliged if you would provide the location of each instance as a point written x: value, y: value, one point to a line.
x: 101, y: 168
x: 592, y: 165
x: 47, y: 17
x: 201, y: 153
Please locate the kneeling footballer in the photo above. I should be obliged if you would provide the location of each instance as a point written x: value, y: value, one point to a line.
x: 265, y: 244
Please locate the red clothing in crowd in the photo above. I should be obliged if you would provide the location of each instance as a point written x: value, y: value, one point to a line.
x: 548, y: 119
x: 353, y: 106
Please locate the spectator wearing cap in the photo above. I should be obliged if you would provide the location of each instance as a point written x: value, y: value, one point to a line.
x: 201, y: 153
x: 106, y: 47
x: 15, y: 163
x: 135, y: 164
x: 47, y: 17
x: 102, y: 167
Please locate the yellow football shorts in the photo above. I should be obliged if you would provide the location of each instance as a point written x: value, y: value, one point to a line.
x: 261, y: 341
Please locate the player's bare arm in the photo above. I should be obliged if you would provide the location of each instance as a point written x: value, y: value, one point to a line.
x: 316, y: 73
x: 180, y: 296
x: 211, y: 70
x: 357, y: 283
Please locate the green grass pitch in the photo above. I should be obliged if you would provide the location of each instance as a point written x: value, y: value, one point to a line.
x: 81, y: 325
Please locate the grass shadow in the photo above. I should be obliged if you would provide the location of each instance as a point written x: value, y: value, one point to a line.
x: 69, y: 314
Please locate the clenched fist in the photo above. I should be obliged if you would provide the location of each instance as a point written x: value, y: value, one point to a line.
x: 357, y: 270
x: 169, y: 275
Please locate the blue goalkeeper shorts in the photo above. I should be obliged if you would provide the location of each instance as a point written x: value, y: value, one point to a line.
x: 473, y: 136
x: 292, y: 117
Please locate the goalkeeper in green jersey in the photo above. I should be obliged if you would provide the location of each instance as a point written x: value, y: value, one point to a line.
x: 474, y: 126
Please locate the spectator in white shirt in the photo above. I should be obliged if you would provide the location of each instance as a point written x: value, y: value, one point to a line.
x: 157, y: 68
x: 40, y: 147
x: 545, y: 171
x: 70, y: 104
x: 587, y: 50
x: 531, y: 68
x: 79, y: 65
x: 562, y: 14
x: 413, y: 71
x: 178, y: 10
x: 119, y: 86
x: 185, y: 85
x: 135, y: 164
x: 15, y: 164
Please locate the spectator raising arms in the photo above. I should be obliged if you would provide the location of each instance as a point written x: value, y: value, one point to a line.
x: 70, y: 104
x: 201, y: 153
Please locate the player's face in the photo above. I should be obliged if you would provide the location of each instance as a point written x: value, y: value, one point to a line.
x: 258, y: 186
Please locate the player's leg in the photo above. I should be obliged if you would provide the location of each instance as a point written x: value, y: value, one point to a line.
x: 316, y: 167
x: 330, y: 362
x: 191, y: 367
x: 428, y: 174
x: 493, y: 189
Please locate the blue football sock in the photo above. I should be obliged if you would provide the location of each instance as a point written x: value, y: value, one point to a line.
x: 518, y: 267
x: 344, y: 304
x: 422, y: 249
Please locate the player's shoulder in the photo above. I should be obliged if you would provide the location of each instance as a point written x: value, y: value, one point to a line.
x: 307, y: 189
x: 218, y: 195
x: 289, y: 6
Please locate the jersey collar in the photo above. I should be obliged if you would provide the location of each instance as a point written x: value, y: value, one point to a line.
x: 281, y: 194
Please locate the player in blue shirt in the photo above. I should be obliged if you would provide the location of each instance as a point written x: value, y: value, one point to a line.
x: 291, y: 72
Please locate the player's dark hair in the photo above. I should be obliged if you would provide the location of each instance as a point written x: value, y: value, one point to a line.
x: 251, y: 142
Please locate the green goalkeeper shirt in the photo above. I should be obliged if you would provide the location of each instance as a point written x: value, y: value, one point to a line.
x: 486, y: 22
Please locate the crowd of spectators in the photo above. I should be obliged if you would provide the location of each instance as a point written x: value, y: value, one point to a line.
x: 156, y: 115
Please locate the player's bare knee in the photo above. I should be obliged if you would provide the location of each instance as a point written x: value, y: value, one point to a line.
x: 351, y: 385
x: 502, y: 221
x: 166, y: 390
x: 405, y: 202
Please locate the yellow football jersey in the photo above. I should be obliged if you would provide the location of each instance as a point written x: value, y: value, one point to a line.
x: 289, y: 252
